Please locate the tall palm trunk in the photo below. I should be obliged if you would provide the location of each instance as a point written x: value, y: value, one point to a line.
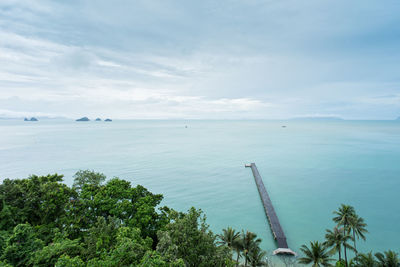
x: 345, y: 250
x: 237, y: 259
x: 245, y: 258
x: 340, y: 253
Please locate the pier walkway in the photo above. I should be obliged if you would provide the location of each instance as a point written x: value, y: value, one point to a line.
x: 276, y: 227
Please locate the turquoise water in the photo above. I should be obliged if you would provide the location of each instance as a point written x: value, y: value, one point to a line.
x: 309, y: 168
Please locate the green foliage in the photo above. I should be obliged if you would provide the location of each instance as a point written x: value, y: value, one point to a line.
x: 257, y: 257
x: 364, y: 260
x: 6, y: 216
x: 130, y: 247
x: 232, y: 240
x: 4, y: 235
x: 248, y: 243
x: 67, y: 261
x: 36, y: 200
x: 344, y: 215
x: 114, y: 221
x: 43, y: 222
x: 154, y: 259
x: 21, y: 246
x: 100, y: 238
x: 349, y: 227
x: 49, y: 255
x: 358, y: 226
x: 133, y: 206
x: 4, y: 264
x: 229, y: 237
x: 336, y: 239
x: 188, y: 238
x: 98, y: 223
x: 316, y: 255
x: 388, y: 259
x: 86, y: 177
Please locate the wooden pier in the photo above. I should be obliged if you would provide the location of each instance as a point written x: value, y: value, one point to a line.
x: 276, y: 227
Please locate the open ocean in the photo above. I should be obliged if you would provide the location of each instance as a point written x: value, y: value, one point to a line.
x: 309, y: 168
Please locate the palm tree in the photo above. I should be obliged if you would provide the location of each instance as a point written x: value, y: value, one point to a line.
x: 364, y: 260
x: 317, y: 255
x: 344, y: 216
x: 249, y: 242
x: 229, y: 237
x: 358, y: 227
x: 238, y: 247
x: 347, y: 246
x: 257, y: 257
x: 388, y: 259
x: 335, y: 239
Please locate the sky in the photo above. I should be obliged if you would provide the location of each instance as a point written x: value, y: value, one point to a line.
x: 181, y: 59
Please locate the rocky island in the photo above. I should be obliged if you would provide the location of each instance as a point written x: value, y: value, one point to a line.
x: 98, y: 119
x: 108, y: 120
x: 31, y: 119
x: 83, y: 119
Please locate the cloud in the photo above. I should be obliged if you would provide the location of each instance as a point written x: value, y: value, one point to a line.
x: 205, y: 59
x: 4, y: 113
x: 317, y: 116
x: 391, y: 100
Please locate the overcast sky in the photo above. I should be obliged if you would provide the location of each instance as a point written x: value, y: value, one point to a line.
x: 200, y: 59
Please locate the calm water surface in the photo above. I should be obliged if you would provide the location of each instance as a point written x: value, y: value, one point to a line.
x: 309, y: 168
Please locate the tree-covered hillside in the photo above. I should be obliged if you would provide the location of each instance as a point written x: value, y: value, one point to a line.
x: 106, y: 223
x: 43, y: 222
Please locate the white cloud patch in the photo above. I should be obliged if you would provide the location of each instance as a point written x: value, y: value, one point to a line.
x: 391, y: 100
x: 4, y: 113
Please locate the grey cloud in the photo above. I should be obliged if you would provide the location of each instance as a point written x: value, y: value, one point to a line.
x: 177, y: 58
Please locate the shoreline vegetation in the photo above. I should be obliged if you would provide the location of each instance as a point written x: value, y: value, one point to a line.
x: 100, y: 222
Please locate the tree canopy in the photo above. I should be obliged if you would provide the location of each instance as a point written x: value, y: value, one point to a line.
x: 99, y: 222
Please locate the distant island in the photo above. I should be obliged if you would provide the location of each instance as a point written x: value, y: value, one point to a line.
x: 87, y: 119
x: 31, y: 119
x: 83, y: 119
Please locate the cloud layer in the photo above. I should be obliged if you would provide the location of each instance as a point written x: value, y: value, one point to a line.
x: 202, y: 59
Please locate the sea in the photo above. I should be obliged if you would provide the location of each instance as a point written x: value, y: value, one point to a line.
x: 309, y: 168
